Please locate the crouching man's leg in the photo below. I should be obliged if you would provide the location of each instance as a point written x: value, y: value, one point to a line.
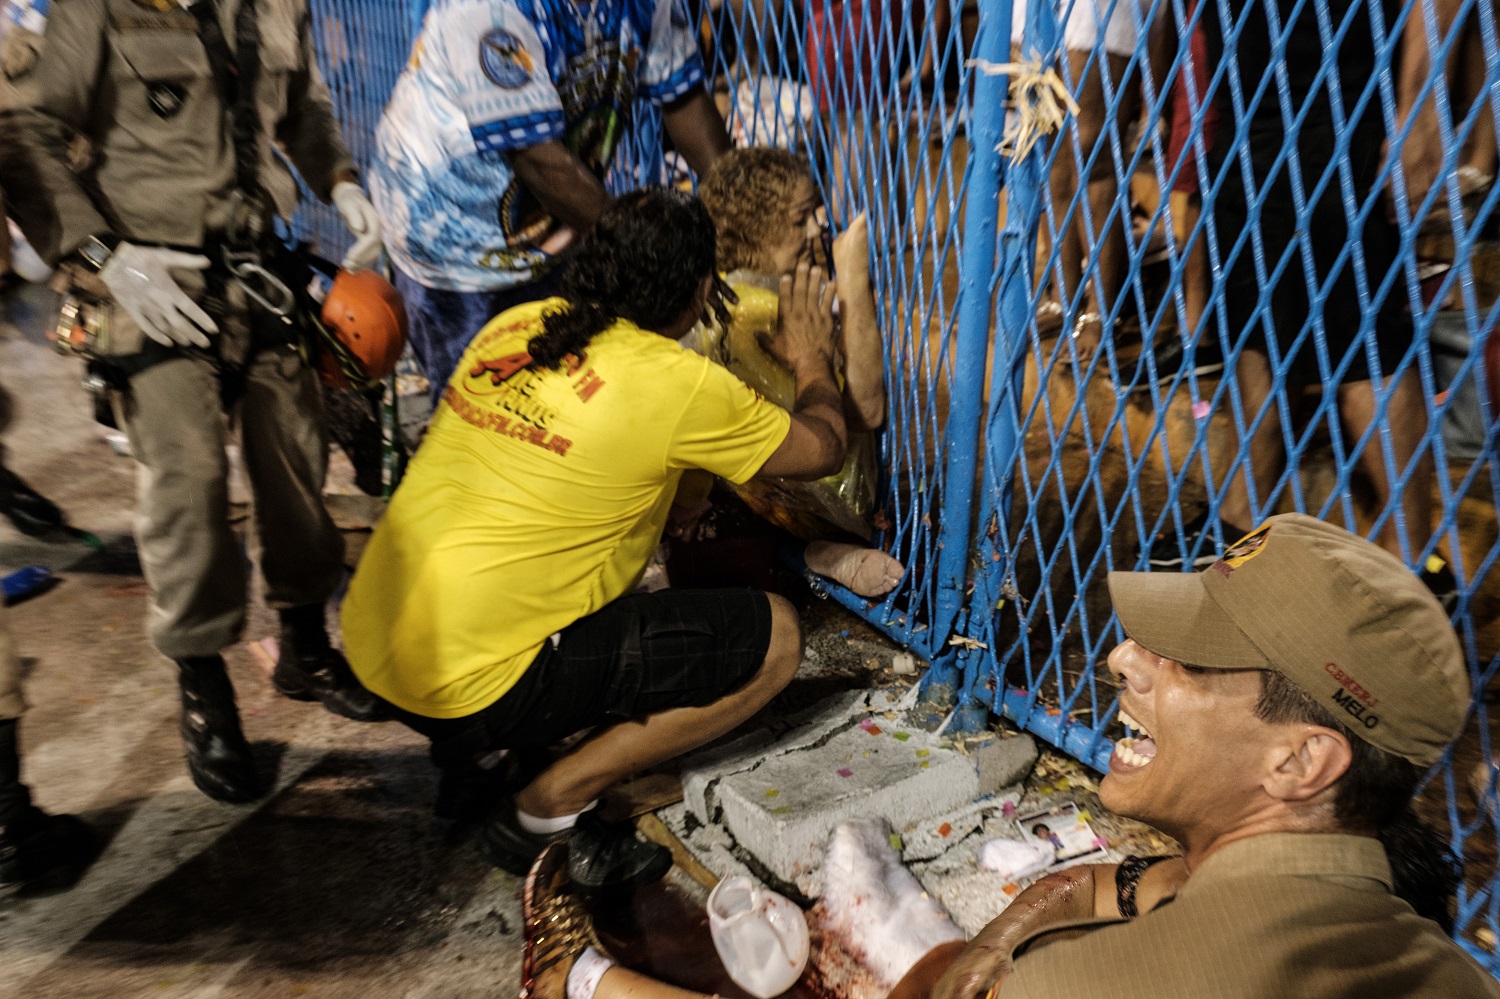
x: 659, y: 674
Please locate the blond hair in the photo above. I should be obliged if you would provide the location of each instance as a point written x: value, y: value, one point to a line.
x: 748, y: 194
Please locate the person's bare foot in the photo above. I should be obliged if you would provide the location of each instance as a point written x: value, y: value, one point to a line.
x: 869, y: 572
x: 557, y: 927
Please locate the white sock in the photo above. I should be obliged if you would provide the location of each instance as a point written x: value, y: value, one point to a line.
x: 539, y: 826
x: 584, y: 978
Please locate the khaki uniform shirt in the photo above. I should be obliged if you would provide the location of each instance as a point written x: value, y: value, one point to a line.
x: 1276, y: 915
x: 163, y: 170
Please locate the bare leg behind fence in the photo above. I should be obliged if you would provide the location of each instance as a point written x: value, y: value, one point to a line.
x: 615, y: 752
x: 1482, y: 152
x: 1407, y: 416
x: 1422, y: 155
x: 1089, y: 235
x: 1253, y: 373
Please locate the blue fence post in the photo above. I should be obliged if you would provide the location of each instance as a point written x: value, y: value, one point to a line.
x: 952, y: 676
x: 1025, y: 183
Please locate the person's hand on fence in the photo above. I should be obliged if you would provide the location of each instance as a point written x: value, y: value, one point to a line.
x: 363, y: 221
x: 139, y: 279
x: 851, y: 251
x: 804, y: 322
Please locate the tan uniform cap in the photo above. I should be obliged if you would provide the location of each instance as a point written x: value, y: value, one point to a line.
x: 1338, y: 616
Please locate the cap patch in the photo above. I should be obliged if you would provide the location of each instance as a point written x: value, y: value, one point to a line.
x: 1243, y: 550
x: 1354, y: 699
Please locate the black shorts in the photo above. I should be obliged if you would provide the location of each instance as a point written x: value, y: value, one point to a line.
x: 1290, y: 306
x: 643, y: 653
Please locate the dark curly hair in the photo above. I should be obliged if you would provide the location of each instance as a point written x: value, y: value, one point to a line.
x: 643, y: 263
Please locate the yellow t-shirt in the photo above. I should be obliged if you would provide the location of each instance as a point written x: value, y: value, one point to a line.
x: 536, y: 498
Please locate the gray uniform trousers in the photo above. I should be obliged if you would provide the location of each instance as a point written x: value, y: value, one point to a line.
x: 173, y: 414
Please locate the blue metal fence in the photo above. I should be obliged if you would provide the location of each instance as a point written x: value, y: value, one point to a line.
x: 1018, y: 468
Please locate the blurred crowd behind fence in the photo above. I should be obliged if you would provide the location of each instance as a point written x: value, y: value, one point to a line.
x: 1236, y: 192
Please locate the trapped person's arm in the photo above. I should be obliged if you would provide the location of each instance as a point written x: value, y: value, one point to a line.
x: 804, y: 342
x: 864, y: 354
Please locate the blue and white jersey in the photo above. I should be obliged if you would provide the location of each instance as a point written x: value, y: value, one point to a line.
x: 487, y: 77
x: 29, y: 14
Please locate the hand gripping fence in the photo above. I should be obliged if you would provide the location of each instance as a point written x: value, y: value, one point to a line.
x: 1267, y: 273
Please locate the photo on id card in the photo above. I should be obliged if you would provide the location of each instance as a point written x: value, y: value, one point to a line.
x: 1065, y: 829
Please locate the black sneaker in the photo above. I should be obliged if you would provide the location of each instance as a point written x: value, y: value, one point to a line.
x: 1198, y: 547
x: 601, y: 855
x: 40, y: 850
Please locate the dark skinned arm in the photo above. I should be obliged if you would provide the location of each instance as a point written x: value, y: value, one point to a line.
x: 696, y: 129
x: 560, y: 181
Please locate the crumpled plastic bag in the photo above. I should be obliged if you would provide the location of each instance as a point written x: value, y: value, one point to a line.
x: 1016, y: 859
x: 838, y: 504
x: 761, y: 936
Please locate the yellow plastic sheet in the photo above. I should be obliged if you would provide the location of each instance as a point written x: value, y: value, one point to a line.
x: 838, y: 504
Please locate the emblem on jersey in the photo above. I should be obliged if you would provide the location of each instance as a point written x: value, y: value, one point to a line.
x: 504, y: 59
x: 165, y: 98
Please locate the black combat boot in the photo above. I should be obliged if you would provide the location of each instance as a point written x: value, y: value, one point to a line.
x: 310, y: 669
x: 218, y: 757
x: 36, y: 849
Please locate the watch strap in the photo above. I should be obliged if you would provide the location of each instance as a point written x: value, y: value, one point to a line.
x: 96, y: 250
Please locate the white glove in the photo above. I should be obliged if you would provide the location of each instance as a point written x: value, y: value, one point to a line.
x: 362, y: 219
x: 139, y: 279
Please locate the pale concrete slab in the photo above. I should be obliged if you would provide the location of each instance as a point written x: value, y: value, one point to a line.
x: 782, y: 811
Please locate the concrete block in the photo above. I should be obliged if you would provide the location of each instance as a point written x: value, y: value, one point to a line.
x: 702, y: 771
x: 783, y: 810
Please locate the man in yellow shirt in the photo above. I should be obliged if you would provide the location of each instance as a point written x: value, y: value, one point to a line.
x: 493, y: 607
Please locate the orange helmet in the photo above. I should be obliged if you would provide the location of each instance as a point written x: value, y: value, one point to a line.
x: 366, y: 317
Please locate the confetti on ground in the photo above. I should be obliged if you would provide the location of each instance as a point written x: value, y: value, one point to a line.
x: 1008, y: 809
x: 870, y: 727
x: 944, y: 830
x: 896, y: 842
x: 845, y: 772
x: 772, y: 793
x: 782, y: 810
x: 900, y: 736
x: 925, y: 764
x: 1011, y: 889
x: 923, y: 752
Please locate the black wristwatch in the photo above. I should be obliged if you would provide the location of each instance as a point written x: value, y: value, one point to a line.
x: 97, y: 249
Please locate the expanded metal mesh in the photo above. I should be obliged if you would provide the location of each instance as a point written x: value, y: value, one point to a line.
x: 1018, y: 468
